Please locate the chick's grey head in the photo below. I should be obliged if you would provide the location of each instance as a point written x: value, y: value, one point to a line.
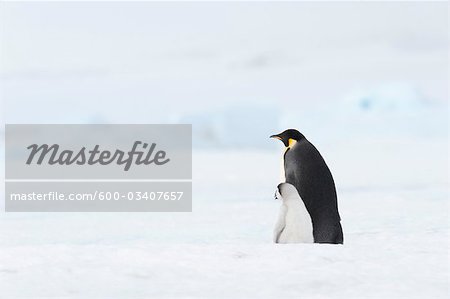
x: 285, y: 191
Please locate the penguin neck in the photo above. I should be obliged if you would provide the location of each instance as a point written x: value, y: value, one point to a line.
x: 290, y: 199
x: 282, y: 167
x: 291, y: 143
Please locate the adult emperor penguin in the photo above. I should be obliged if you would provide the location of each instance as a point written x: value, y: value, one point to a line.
x: 305, y: 168
x: 294, y: 222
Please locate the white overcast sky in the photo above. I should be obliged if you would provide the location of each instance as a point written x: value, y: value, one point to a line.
x: 188, y: 57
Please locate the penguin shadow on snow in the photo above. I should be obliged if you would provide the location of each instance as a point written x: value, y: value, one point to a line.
x: 294, y: 223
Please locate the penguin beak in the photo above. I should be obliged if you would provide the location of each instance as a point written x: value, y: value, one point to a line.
x: 276, y: 137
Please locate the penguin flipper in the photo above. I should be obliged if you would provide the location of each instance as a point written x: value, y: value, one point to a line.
x: 281, y: 224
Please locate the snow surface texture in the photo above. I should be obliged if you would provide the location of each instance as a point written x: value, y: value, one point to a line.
x: 395, y: 218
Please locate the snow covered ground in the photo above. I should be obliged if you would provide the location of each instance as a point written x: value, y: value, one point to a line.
x: 394, y: 206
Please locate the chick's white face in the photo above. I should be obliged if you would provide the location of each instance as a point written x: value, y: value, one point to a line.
x: 287, y: 189
x: 286, y: 192
x: 278, y: 194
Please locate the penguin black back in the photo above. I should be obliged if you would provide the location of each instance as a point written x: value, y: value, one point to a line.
x: 306, y: 169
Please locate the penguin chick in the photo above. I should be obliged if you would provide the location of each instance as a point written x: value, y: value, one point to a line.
x: 294, y: 223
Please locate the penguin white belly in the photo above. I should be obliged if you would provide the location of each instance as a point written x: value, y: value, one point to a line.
x: 282, y: 170
x: 298, y: 225
x: 294, y: 223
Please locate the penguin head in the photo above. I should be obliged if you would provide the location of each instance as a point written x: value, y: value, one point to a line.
x: 289, y: 137
x: 285, y: 191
